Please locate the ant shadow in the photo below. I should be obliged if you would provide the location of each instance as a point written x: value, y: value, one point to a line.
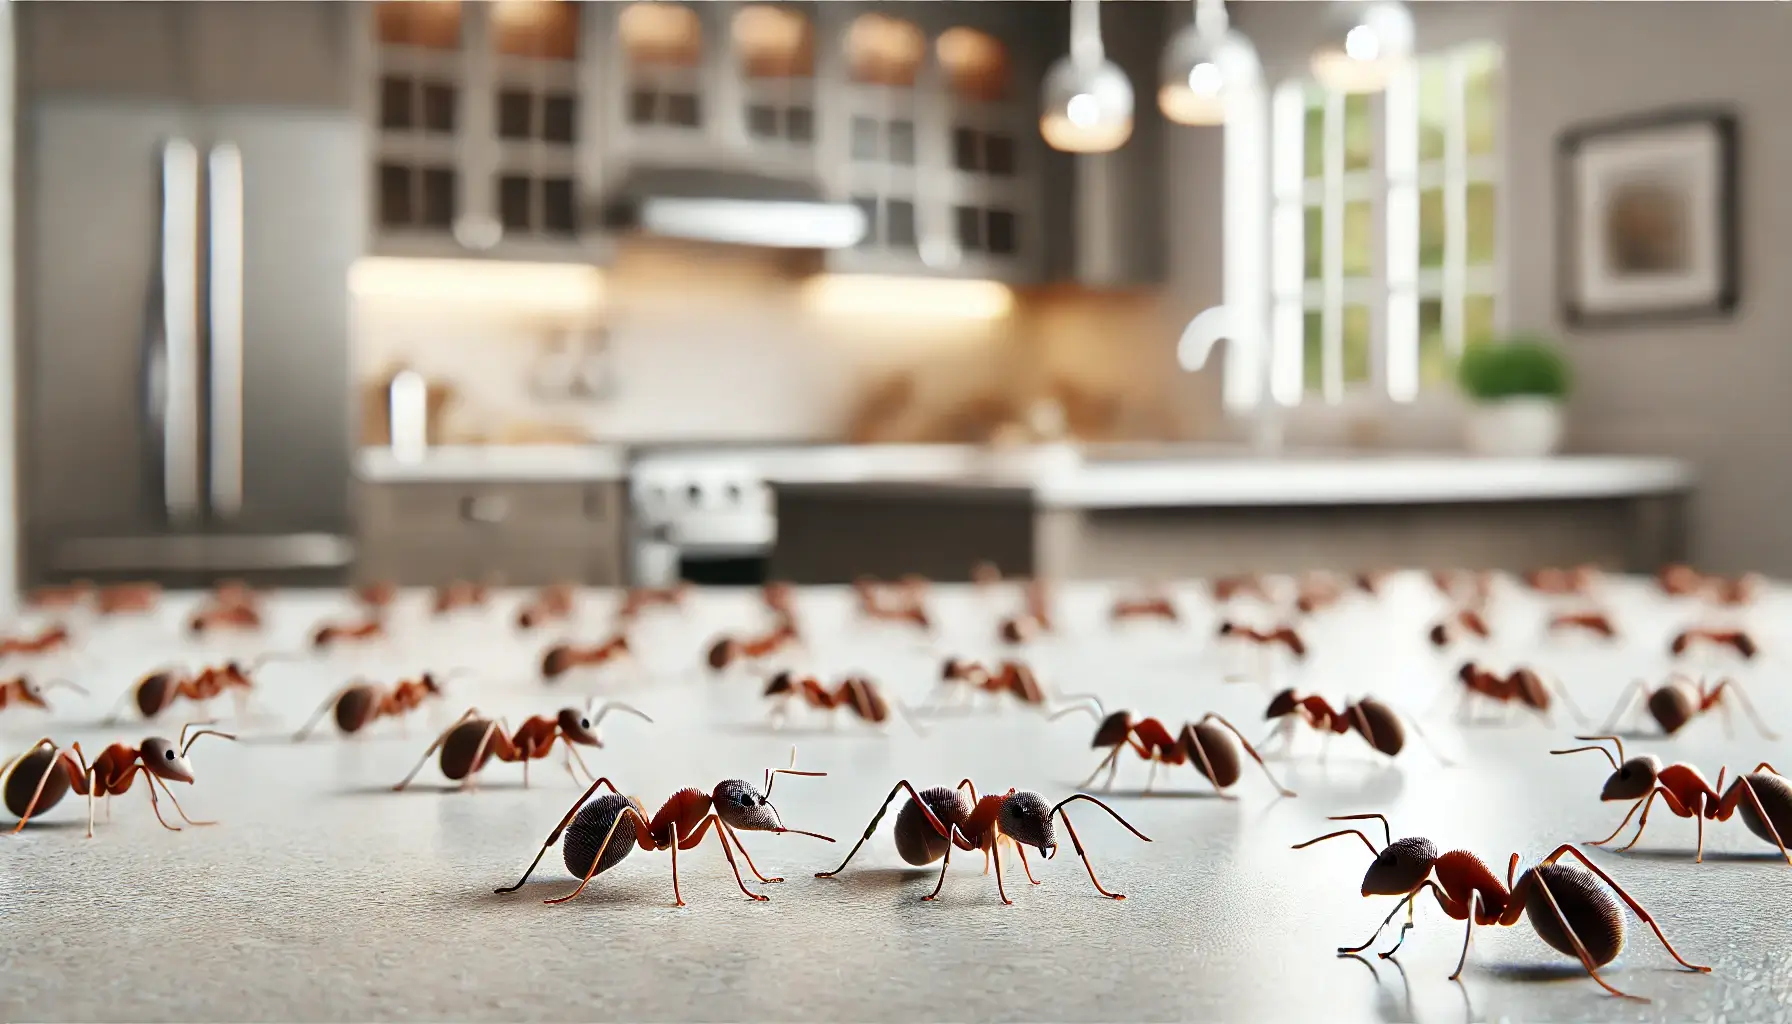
x: 36, y: 824
x: 436, y: 788
x: 534, y: 892
x: 1154, y: 794
x: 1536, y: 971
x: 885, y: 878
x: 1726, y: 856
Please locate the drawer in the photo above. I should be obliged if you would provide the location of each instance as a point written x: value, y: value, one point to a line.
x: 604, y: 502
x: 456, y: 507
x: 414, y: 563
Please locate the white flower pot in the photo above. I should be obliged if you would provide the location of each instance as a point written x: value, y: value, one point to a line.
x: 1523, y: 427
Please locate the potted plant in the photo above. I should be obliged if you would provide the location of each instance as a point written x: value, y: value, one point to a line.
x: 1515, y: 387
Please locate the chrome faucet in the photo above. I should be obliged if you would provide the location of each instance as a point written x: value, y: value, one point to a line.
x: 1205, y: 332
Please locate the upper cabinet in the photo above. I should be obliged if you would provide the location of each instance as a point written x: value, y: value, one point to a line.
x: 501, y: 123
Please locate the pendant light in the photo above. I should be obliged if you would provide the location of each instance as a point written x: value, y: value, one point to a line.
x: 1366, y: 43
x: 1202, y: 63
x: 1087, y: 102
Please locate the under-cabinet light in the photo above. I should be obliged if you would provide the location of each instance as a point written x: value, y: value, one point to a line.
x: 908, y: 297
x: 531, y: 286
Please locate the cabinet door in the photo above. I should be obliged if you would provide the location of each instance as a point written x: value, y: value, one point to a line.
x: 102, y: 47
x: 293, y: 53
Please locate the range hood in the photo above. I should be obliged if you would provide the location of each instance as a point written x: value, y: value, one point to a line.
x: 733, y: 208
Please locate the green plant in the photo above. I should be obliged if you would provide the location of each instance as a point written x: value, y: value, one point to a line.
x: 1520, y: 366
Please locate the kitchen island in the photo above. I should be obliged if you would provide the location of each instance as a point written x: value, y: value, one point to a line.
x: 1203, y: 516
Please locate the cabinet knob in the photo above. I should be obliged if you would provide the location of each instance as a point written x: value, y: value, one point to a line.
x: 485, y: 508
x: 478, y: 232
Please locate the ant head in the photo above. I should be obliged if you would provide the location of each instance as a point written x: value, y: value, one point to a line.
x: 430, y: 682
x: 1112, y: 731
x: 577, y: 727
x: 1744, y: 644
x: 1281, y: 704
x: 1468, y: 672
x: 741, y: 805
x: 1027, y: 819
x: 1633, y: 780
x: 1400, y: 867
x: 31, y: 694
x: 1227, y: 628
x: 163, y: 760
x: 783, y: 682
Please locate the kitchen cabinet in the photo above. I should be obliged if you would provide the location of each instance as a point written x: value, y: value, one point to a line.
x: 232, y: 52
x: 521, y: 534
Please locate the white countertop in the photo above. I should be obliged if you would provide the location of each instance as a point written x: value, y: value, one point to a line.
x: 457, y: 463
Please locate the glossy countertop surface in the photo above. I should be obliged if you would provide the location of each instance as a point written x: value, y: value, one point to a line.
x: 322, y: 895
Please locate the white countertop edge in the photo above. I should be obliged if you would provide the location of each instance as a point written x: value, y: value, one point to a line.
x: 495, y: 464
x: 1392, y: 480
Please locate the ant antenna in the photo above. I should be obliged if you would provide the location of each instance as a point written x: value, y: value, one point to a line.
x: 1085, y: 702
x: 1387, y: 832
x: 186, y: 742
x: 598, y: 714
x: 63, y: 683
x: 1608, y: 754
x: 772, y: 773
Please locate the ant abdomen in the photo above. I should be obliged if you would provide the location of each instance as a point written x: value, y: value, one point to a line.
x: 1671, y: 708
x: 460, y: 746
x: 354, y: 708
x: 916, y: 839
x: 1594, y: 915
x: 1775, y: 795
x: 22, y: 782
x: 557, y: 661
x: 579, y: 846
x: 1213, y: 741
x: 1381, y: 726
x: 154, y: 693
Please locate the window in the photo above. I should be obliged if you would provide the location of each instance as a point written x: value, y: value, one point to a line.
x: 1385, y: 248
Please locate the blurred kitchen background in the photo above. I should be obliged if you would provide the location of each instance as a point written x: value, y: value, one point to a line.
x: 543, y: 290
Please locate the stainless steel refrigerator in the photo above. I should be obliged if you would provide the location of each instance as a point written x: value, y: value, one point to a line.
x: 185, y: 323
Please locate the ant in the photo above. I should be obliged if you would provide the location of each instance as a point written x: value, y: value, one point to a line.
x: 156, y: 692
x: 1685, y: 581
x: 855, y: 693
x: 1154, y: 606
x: 359, y: 704
x: 1463, y: 621
x: 1592, y: 622
x: 473, y: 740
x: 66, y: 595
x: 893, y: 602
x: 28, y: 694
x: 127, y: 597
x: 1019, y: 629
x: 224, y: 616
x: 452, y: 597
x: 1201, y: 743
x: 1229, y: 588
x: 681, y: 824
x: 555, y: 602
x: 1317, y: 592
x: 34, y: 772
x: 1680, y: 700
x: 1019, y: 817
x: 1379, y: 725
x: 1565, y: 905
x: 1371, y: 581
x: 639, y: 599
x: 379, y: 594
x: 564, y: 657
x: 1522, y: 686
x: 1284, y: 635
x: 50, y: 638
x: 1735, y: 639
x: 1463, y: 585
x: 1767, y: 813
x: 332, y: 633
x: 728, y: 650
x: 1012, y: 678
x: 1563, y: 582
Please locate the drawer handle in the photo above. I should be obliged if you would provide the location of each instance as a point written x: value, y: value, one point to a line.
x: 485, y: 508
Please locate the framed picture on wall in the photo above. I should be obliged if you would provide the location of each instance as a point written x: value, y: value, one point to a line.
x: 1648, y: 218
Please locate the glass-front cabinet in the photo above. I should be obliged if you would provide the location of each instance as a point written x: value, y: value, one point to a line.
x: 498, y: 124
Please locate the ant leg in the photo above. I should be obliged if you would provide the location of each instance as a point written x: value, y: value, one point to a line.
x: 1674, y: 805
x: 1625, y: 702
x: 1151, y: 778
x: 1748, y: 706
x: 1018, y: 848
x: 1405, y: 901
x: 1760, y: 812
x: 573, y: 751
x: 881, y: 811
x: 691, y: 841
x: 1579, y: 949
x: 1411, y: 909
x: 1000, y: 891
x: 1621, y: 824
x: 565, y: 821
x: 1468, y: 933
x: 177, y: 807
x: 944, y: 864
x: 433, y: 747
x: 1283, y: 790
x: 742, y: 847
x: 1111, y: 762
x: 154, y: 805
x: 470, y: 781
x: 595, y: 860
x: 1629, y: 900
x: 318, y: 715
x: 1077, y: 842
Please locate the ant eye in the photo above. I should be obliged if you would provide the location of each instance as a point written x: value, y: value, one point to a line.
x: 745, y: 799
x: 584, y: 723
x: 169, y: 754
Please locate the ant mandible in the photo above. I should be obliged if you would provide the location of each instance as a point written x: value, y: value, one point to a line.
x: 1767, y: 812
x: 1019, y: 817
x: 681, y: 824
x: 1565, y: 906
x: 1680, y: 700
x: 26, y: 693
x: 473, y: 740
x: 1204, y: 744
x: 359, y: 704
x: 109, y: 775
x: 1379, y: 725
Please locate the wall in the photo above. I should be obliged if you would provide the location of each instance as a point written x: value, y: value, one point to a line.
x: 1711, y: 392
x: 9, y: 486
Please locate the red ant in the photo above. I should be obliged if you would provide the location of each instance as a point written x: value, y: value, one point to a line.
x: 1316, y: 592
x: 473, y: 740
x: 26, y: 693
x: 1592, y: 622
x: 332, y: 633
x: 1522, y: 686
x: 1204, y: 744
x: 1463, y: 585
x: 224, y: 616
x: 1284, y: 635
x: 563, y: 658
x: 32, y: 784
x: 379, y: 594
x: 555, y: 602
x: 1566, y: 907
x: 1018, y: 817
x: 897, y: 602
x: 728, y: 650
x: 1156, y: 606
x: 1011, y: 678
x: 1229, y: 588
x: 452, y: 597
x: 681, y: 824
x: 67, y: 595
x: 127, y: 597
x: 639, y: 599
x: 1680, y: 700
x: 158, y: 691
x: 855, y: 693
x: 1563, y: 582
x: 1685, y: 581
x: 1462, y: 621
x: 1735, y: 639
x: 359, y: 704
x: 1371, y: 581
x: 50, y: 638
x: 1379, y: 725
x: 1768, y: 812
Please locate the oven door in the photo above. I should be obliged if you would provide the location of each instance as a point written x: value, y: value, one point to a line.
x: 725, y: 566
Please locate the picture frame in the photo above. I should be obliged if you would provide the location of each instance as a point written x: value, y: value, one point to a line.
x: 1648, y: 218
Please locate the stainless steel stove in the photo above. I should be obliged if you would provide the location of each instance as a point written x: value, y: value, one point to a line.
x: 701, y: 515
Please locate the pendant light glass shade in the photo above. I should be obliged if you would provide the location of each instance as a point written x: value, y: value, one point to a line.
x: 1086, y: 103
x: 1201, y: 65
x: 1366, y: 44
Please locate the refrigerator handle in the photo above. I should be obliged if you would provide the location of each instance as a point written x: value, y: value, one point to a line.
x: 224, y: 173
x: 180, y: 330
